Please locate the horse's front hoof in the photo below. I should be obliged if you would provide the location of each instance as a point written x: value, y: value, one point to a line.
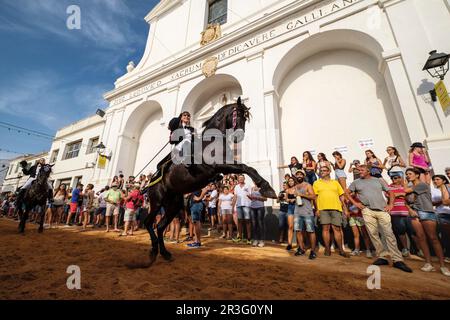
x: 268, y: 192
x: 167, y: 256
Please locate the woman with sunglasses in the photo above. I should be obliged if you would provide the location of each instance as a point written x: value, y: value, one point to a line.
x: 400, y: 212
x: 424, y: 220
x: 394, y: 163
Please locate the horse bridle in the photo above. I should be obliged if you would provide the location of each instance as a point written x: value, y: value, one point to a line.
x: 234, y: 117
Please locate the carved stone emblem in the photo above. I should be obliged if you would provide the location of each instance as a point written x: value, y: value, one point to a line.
x: 211, y: 33
x: 210, y: 66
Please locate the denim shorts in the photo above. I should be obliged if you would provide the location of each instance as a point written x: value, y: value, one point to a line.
x: 400, y: 224
x: 282, y: 220
x: 196, y: 211
x: 444, y: 218
x: 291, y: 209
x: 301, y: 221
x: 424, y: 215
x: 243, y: 213
x: 212, y: 211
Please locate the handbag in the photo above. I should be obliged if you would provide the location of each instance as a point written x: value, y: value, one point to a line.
x: 389, y: 170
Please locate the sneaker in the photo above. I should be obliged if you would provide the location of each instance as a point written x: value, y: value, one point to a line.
x: 344, y: 254
x: 194, y: 245
x: 402, y: 266
x: 300, y: 252
x: 332, y: 248
x: 355, y: 252
x: 312, y: 255
x: 445, y: 271
x: 327, y: 253
x: 188, y: 239
x: 255, y: 243
x: 289, y: 247
x: 427, y: 268
x: 237, y: 240
x: 405, y: 252
x: 447, y: 260
x: 261, y: 244
x: 249, y: 242
x: 369, y: 254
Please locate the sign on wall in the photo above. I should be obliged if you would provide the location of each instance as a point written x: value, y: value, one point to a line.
x: 341, y: 149
x: 101, y: 162
x: 366, y: 143
x: 444, y: 98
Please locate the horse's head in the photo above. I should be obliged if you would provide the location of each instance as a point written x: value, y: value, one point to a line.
x: 231, y: 117
x: 44, y: 173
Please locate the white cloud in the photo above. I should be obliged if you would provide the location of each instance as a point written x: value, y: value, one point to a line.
x: 104, y: 23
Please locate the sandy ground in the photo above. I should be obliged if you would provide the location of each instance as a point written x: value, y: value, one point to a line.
x: 34, y: 267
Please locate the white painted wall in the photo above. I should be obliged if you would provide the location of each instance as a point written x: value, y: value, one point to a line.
x: 334, y: 99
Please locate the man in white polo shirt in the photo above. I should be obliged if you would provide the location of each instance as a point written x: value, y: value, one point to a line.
x: 243, y: 202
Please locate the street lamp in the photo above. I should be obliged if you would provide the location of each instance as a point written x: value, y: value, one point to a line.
x: 437, y: 64
x: 101, y: 149
x: 100, y: 113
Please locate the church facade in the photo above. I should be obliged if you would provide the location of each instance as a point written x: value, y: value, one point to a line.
x: 320, y: 76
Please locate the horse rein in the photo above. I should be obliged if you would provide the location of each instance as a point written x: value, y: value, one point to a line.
x: 234, y: 118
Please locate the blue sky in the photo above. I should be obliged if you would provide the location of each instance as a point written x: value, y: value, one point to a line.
x: 51, y: 76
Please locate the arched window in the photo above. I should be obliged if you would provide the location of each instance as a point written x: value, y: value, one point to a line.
x: 217, y: 11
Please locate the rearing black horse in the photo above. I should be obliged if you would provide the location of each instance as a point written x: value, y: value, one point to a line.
x: 36, y: 195
x: 179, y: 180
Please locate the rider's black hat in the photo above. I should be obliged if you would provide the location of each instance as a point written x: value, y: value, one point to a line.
x: 174, y: 123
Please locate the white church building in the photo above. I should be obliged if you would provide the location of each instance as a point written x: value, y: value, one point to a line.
x: 318, y: 75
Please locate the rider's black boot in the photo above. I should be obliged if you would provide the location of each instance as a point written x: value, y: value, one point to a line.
x: 20, y: 195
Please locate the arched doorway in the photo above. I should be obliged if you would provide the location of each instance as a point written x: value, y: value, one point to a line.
x: 210, y: 95
x: 143, y: 136
x: 333, y: 97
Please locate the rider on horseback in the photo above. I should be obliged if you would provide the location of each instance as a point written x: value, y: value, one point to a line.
x: 181, y: 135
x: 33, y: 172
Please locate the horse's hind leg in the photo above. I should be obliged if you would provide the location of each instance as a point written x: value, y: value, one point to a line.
x: 41, y: 221
x: 148, y: 222
x: 23, y: 219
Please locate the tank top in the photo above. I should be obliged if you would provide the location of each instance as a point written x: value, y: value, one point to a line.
x: 306, y: 165
x: 306, y: 209
x: 283, y: 203
x: 399, y: 208
x: 419, y: 160
x: 436, y: 196
x: 375, y: 170
x: 390, y: 160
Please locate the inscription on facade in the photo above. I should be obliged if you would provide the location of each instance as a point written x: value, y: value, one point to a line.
x: 284, y: 28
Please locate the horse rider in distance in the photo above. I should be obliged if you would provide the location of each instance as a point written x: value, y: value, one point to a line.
x: 33, y: 173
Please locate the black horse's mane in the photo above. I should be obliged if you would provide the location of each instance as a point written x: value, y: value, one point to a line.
x: 223, y: 112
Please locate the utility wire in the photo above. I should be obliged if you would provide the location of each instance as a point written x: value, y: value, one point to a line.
x: 26, y: 129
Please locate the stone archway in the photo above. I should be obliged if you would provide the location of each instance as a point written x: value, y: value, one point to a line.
x: 332, y: 94
x: 210, y: 95
x: 143, y: 136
